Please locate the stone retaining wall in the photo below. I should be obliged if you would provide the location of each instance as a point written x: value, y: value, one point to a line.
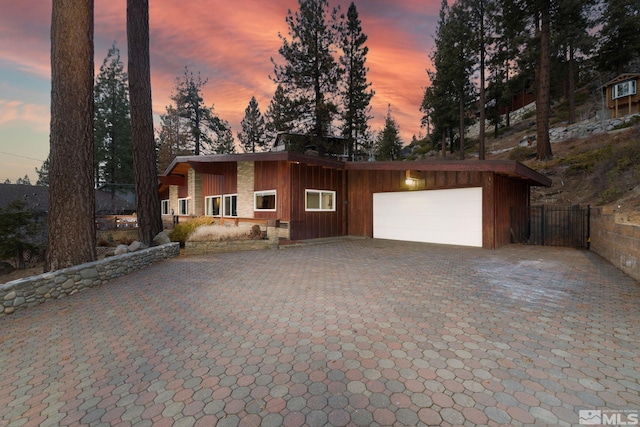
x: 205, y: 248
x: 618, y: 243
x: 31, y: 291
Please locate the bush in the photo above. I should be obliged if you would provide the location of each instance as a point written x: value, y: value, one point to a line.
x: 522, y: 153
x: 182, y: 231
x: 216, y: 233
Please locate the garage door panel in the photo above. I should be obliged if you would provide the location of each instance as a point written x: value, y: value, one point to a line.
x: 435, y: 216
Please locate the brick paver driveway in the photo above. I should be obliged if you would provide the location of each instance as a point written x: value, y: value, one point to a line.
x: 359, y: 332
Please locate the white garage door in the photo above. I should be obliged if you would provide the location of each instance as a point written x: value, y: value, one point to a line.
x: 451, y: 217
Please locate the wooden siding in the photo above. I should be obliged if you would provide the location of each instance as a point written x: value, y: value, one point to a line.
x: 311, y: 225
x: 223, y: 179
x: 274, y: 176
x: 508, y: 193
x: 499, y: 194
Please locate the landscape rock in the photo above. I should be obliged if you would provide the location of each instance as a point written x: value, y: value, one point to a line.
x: 121, y: 249
x: 5, y: 268
x: 161, y: 238
x: 134, y: 246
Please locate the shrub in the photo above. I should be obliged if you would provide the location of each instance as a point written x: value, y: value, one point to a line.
x: 182, y: 231
x: 522, y: 153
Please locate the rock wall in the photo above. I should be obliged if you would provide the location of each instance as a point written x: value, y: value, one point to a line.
x: 618, y: 243
x: 28, y: 292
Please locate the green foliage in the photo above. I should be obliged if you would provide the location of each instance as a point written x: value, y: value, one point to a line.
x: 310, y: 74
x: 182, y: 231
x: 20, y: 231
x: 388, y: 144
x: 206, y: 132
x: 585, y: 162
x: 113, y: 149
x: 356, y: 93
x: 253, y: 135
x: 43, y: 173
x: 521, y: 154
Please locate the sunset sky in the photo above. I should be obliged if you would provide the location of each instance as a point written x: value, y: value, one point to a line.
x: 228, y: 42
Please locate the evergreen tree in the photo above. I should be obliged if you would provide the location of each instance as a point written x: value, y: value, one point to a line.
x: 206, y: 129
x: 389, y: 144
x: 310, y: 74
x: 113, y: 155
x: 173, y: 138
x: 281, y: 116
x: 619, y: 35
x: 226, y: 143
x: 144, y: 155
x: 253, y: 133
x: 572, y: 25
x: 356, y: 93
x: 43, y: 173
x: 71, y: 222
x: 20, y: 231
x: 451, y: 90
x: 24, y: 181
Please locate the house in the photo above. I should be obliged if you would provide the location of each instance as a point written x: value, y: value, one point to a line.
x: 37, y: 198
x: 622, y: 95
x: 451, y: 202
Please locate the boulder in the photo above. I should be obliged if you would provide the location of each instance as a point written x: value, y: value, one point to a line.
x: 161, y: 238
x: 134, y: 246
x: 5, y: 268
x: 121, y: 249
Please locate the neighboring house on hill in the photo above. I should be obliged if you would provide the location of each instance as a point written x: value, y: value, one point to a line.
x: 37, y: 198
x: 452, y: 202
x: 622, y: 95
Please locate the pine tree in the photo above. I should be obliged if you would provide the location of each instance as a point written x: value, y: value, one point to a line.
x: 206, y: 129
x: 619, y: 35
x: 310, y: 74
x: 281, y: 116
x: 451, y: 89
x: 356, y: 93
x: 172, y: 138
x: 113, y: 155
x: 43, y: 173
x: 20, y: 231
x: 24, y: 181
x: 71, y: 224
x: 389, y: 144
x: 144, y: 155
x: 253, y: 133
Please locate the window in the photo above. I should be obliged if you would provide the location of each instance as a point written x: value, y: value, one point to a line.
x: 230, y: 205
x: 212, y: 205
x: 318, y: 200
x: 264, y: 200
x: 623, y: 89
x: 183, y: 206
x: 165, y: 207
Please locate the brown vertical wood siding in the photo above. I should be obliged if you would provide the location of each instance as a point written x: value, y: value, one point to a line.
x: 274, y: 176
x: 499, y: 194
x: 312, y: 225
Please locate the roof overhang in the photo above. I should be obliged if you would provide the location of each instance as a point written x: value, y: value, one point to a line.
x: 509, y: 168
x: 180, y: 166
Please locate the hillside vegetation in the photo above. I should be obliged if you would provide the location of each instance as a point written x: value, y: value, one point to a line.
x: 601, y: 170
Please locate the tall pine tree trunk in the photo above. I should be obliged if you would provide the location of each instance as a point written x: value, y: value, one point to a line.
x: 144, y: 156
x: 544, y: 87
x: 71, y: 222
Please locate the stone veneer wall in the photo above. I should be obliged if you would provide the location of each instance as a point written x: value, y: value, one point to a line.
x: 173, y: 198
x: 245, y: 189
x: 30, y: 291
x: 196, y: 202
x: 618, y: 243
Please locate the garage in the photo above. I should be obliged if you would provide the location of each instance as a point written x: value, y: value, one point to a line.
x: 451, y: 216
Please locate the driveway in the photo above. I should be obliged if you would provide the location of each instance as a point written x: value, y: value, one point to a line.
x: 357, y: 332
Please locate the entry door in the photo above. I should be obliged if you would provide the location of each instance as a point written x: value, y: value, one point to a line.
x: 452, y: 217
